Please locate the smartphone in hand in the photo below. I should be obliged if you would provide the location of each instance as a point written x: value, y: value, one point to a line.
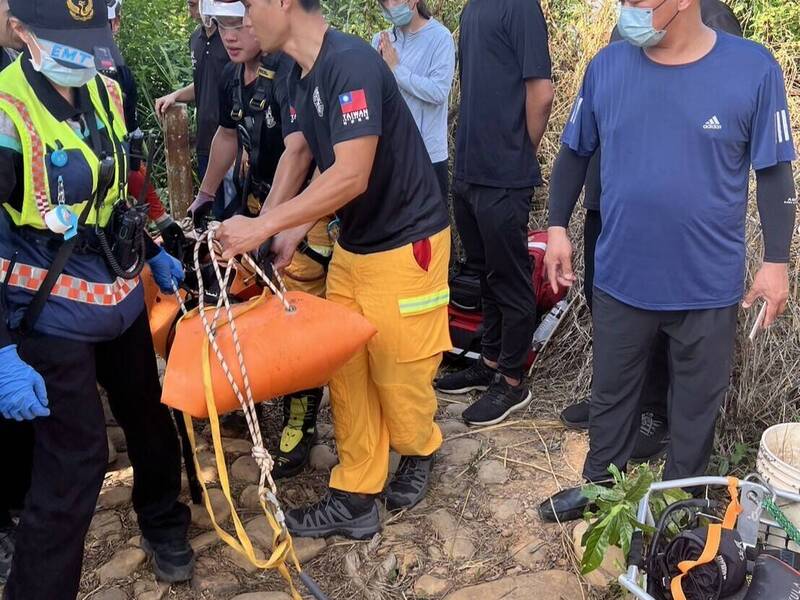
x: 757, y: 326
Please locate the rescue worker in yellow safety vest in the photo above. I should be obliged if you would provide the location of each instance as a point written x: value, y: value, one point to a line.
x: 73, y: 310
x: 257, y: 134
x: 390, y: 261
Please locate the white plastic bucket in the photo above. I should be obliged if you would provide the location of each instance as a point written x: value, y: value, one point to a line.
x: 778, y: 463
x: 778, y: 460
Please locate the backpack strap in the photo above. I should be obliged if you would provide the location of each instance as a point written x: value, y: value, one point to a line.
x: 713, y: 540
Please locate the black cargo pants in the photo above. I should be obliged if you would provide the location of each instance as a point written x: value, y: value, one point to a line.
x: 700, y: 347
x: 70, y: 453
x: 493, y: 227
x: 654, y: 394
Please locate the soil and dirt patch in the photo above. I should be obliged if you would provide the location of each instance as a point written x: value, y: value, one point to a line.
x: 476, y: 535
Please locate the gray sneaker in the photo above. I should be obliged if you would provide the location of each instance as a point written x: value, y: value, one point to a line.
x: 338, y: 513
x: 410, y: 483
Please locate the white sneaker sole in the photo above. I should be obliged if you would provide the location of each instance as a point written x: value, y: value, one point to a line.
x: 519, y: 406
x: 473, y: 388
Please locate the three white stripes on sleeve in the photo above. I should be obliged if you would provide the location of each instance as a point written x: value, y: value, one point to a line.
x: 782, y: 126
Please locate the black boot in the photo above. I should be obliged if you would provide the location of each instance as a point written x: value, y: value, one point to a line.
x: 299, y: 426
x: 566, y: 505
x: 173, y: 561
x: 576, y: 416
x: 6, y: 550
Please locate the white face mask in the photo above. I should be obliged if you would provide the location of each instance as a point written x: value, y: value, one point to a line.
x: 83, y: 71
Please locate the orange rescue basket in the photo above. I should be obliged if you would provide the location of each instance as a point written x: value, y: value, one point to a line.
x: 162, y: 311
x: 284, y: 351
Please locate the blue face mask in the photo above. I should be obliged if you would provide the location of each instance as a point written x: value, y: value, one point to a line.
x: 635, y: 25
x: 82, y: 67
x: 399, y: 16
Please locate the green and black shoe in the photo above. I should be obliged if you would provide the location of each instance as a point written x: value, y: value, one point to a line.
x: 299, y: 426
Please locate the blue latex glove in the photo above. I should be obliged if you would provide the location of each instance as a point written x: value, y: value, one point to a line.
x: 167, y: 270
x: 23, y: 396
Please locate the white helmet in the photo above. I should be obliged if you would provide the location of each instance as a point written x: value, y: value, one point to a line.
x: 114, y: 8
x: 217, y: 8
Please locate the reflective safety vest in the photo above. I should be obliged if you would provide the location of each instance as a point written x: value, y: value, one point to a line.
x: 88, y: 302
x: 41, y: 133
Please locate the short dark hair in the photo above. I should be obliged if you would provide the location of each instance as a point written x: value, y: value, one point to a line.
x: 422, y: 7
x: 310, y: 5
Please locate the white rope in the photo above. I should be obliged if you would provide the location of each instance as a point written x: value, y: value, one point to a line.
x: 267, y: 490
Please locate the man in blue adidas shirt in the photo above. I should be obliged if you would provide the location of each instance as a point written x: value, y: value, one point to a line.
x: 682, y: 112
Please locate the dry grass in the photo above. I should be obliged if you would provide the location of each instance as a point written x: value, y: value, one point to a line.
x: 765, y: 386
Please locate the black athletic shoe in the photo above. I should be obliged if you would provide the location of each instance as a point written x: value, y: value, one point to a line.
x: 653, y: 438
x: 338, y: 513
x: 299, y: 426
x: 577, y: 415
x: 499, y: 401
x: 410, y: 483
x: 6, y: 551
x: 478, y: 376
x: 173, y: 562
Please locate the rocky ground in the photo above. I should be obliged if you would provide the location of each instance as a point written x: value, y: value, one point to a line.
x: 477, y: 535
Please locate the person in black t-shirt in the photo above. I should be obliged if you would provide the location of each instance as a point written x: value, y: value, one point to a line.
x: 390, y: 262
x: 256, y: 132
x: 506, y: 96
x: 653, y: 436
x: 251, y: 137
x: 209, y: 57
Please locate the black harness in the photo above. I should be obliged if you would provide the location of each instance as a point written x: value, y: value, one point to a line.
x: 249, y: 124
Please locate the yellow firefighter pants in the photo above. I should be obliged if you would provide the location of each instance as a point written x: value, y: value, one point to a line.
x: 304, y: 274
x: 383, y: 397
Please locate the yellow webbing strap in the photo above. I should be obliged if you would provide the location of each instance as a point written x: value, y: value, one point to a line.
x: 282, y: 550
x: 713, y: 539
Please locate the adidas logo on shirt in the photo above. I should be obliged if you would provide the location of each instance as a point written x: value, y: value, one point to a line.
x: 782, y: 126
x: 713, y: 123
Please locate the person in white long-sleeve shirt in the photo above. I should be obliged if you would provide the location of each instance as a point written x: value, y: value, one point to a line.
x: 421, y: 53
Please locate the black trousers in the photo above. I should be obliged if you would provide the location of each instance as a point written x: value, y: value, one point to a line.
x: 443, y: 175
x: 654, y: 393
x: 493, y: 226
x: 699, y: 352
x: 70, y: 452
x: 16, y: 446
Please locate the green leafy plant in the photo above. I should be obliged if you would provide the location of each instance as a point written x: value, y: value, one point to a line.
x: 614, y: 520
x: 739, y: 460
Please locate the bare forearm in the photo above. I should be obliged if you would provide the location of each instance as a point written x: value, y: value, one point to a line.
x: 185, y: 94
x: 290, y: 176
x: 538, y: 104
x: 223, y: 154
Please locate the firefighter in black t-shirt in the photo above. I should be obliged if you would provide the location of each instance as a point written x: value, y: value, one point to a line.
x: 257, y: 132
x: 389, y: 264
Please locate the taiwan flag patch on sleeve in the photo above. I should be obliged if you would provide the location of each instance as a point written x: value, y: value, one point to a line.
x: 354, y: 107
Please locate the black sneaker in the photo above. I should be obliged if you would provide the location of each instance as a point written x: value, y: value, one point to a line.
x: 299, y: 427
x: 478, y: 376
x: 173, y: 561
x: 6, y: 551
x: 653, y: 438
x: 576, y: 416
x: 338, y: 513
x: 410, y: 483
x: 499, y: 401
